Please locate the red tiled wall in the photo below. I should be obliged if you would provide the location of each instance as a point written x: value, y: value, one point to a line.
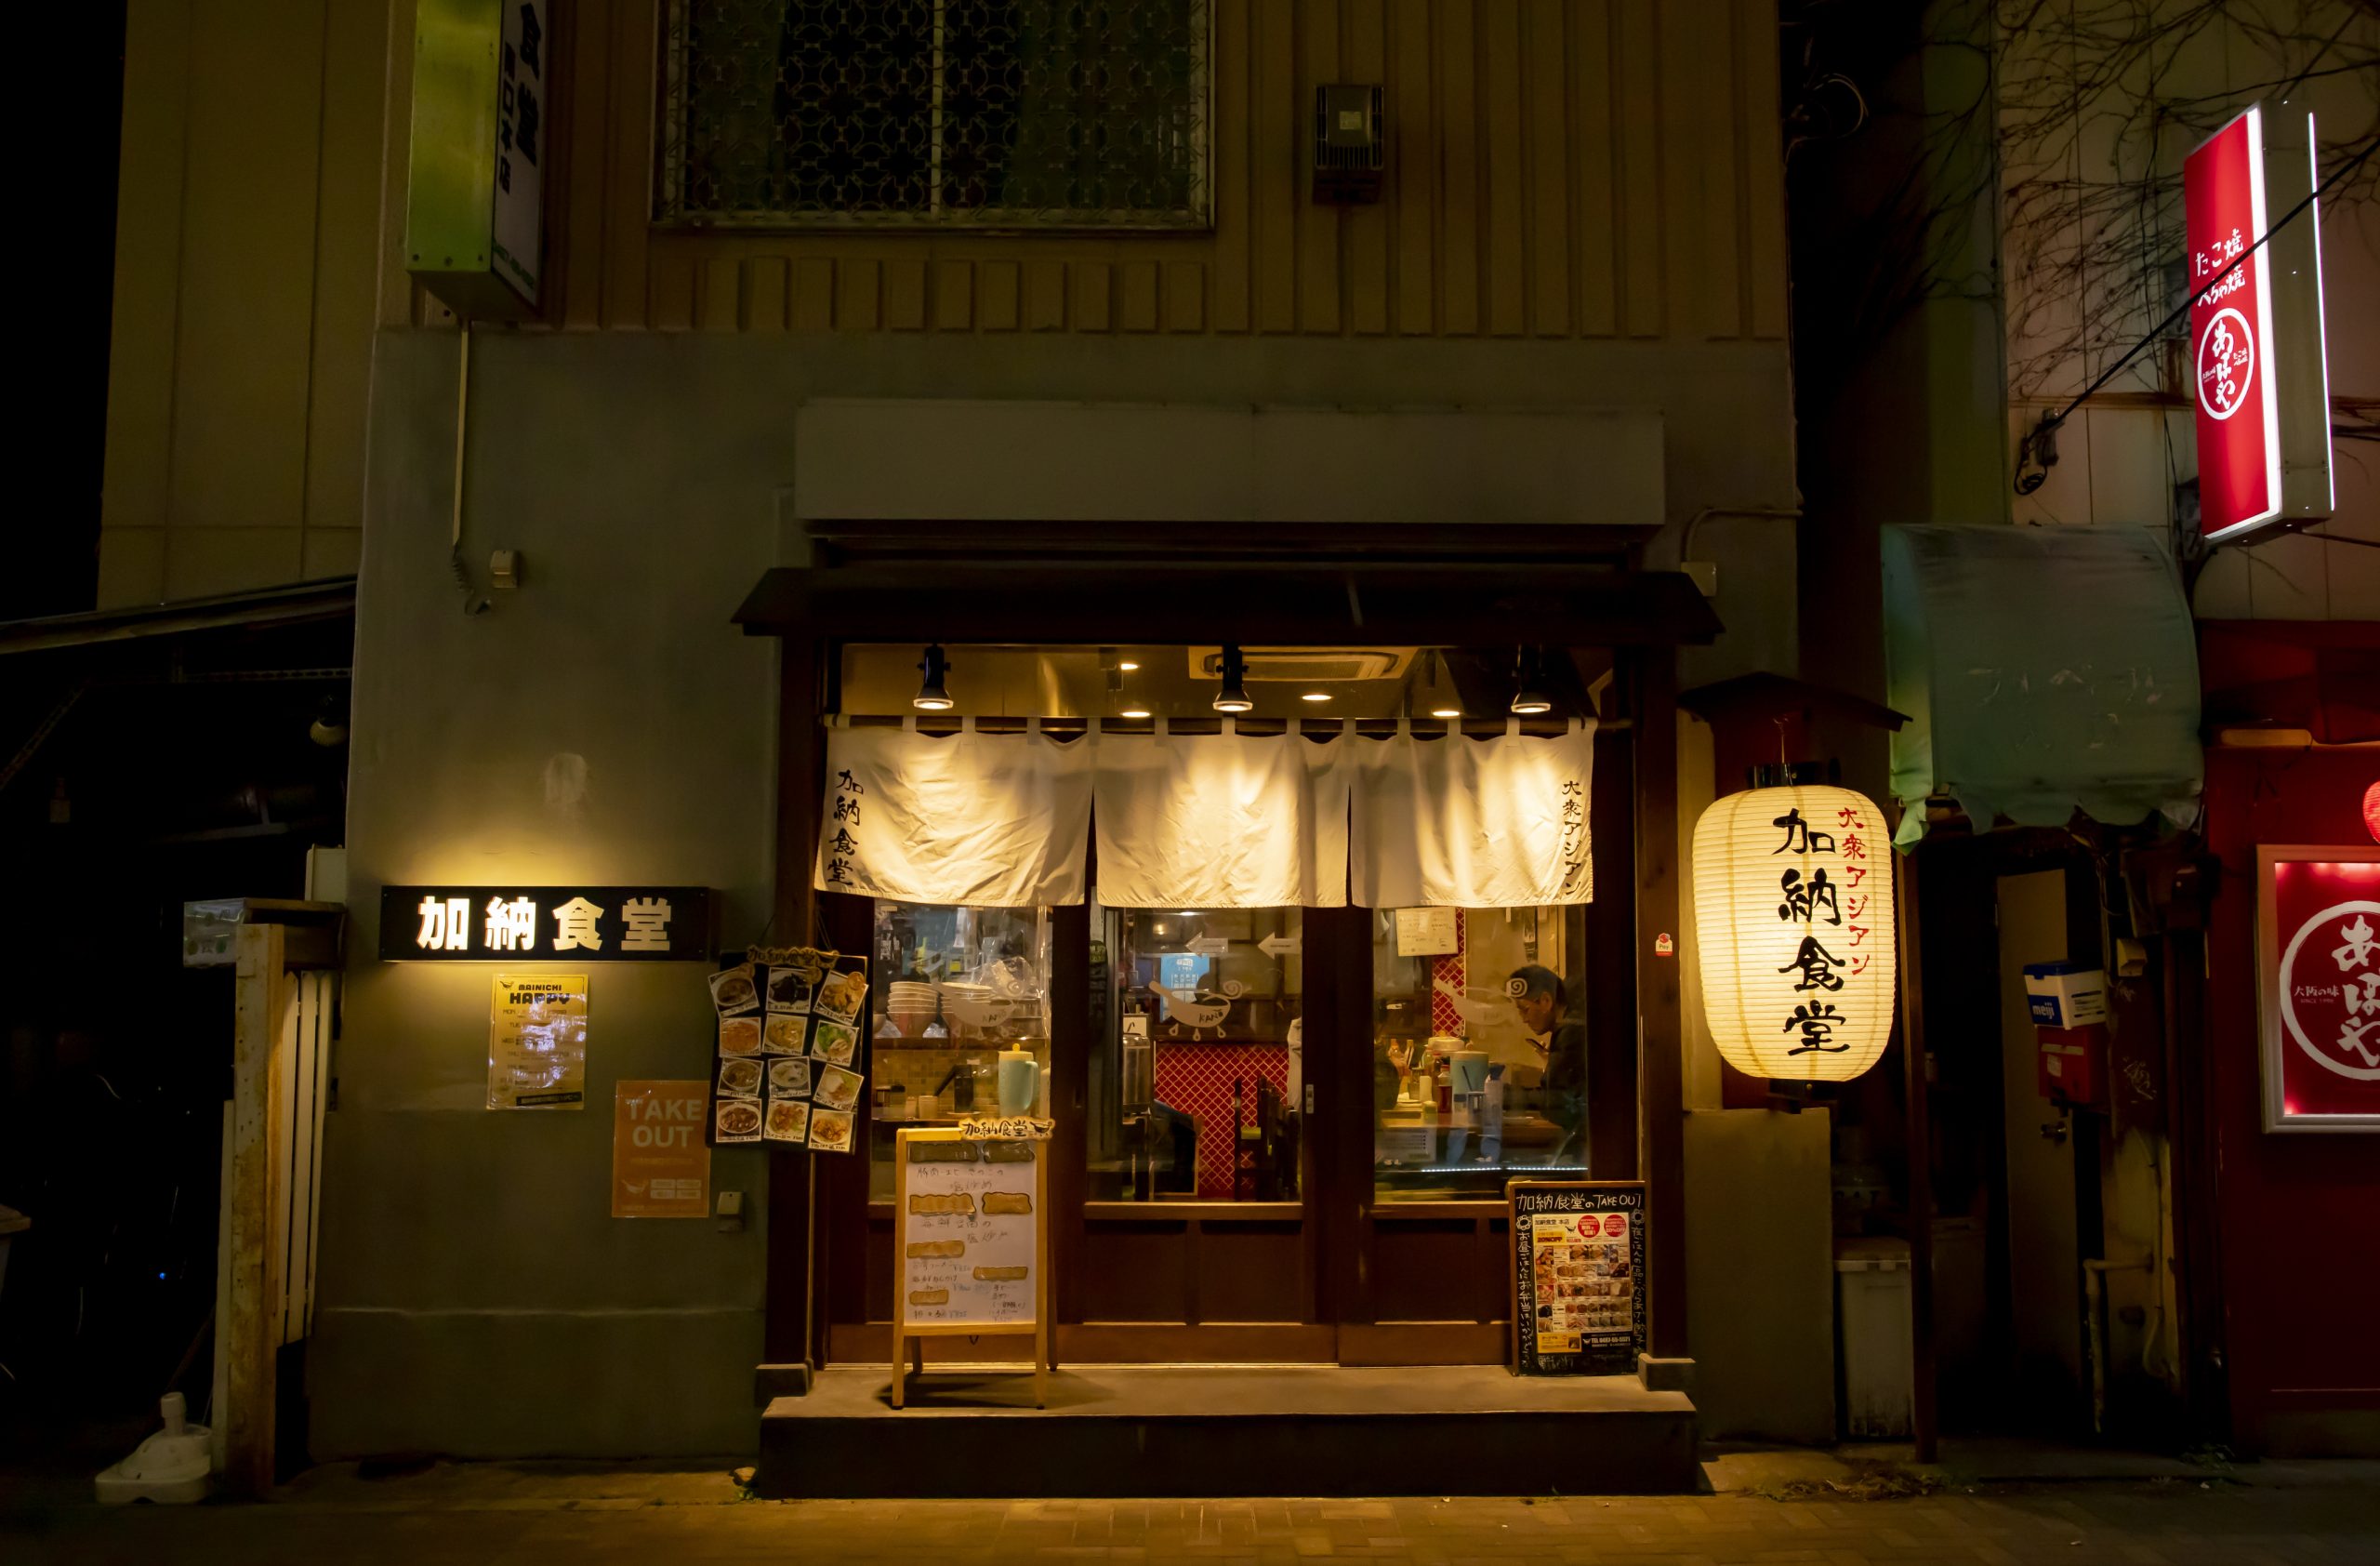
x: 1197, y: 1078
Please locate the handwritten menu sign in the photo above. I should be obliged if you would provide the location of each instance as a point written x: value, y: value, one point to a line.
x: 1578, y: 1277
x: 970, y: 1243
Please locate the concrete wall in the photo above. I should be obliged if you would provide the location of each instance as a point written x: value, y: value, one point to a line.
x: 476, y: 1297
x: 1760, y: 1273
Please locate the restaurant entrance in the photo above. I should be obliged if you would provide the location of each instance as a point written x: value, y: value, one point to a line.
x: 1281, y: 1129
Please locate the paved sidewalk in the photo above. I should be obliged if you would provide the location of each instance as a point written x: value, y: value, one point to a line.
x: 639, y: 1515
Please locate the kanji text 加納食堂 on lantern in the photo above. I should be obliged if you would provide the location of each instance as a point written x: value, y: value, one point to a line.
x: 1794, y: 921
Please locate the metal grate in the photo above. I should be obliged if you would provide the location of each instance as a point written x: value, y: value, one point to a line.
x: 983, y: 114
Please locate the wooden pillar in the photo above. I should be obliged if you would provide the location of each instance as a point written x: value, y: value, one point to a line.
x: 255, y: 1259
x: 790, y: 1326
x: 1660, y: 1051
x: 1923, y: 1415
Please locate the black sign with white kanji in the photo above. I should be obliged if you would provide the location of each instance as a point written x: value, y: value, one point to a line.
x: 574, y: 923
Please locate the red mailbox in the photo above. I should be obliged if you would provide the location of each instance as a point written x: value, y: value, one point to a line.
x: 2073, y: 1064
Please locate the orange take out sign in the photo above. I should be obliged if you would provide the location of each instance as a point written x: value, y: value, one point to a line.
x: 660, y: 1161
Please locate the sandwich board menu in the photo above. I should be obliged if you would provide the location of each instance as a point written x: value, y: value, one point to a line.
x: 1578, y: 1275
x: 970, y: 1245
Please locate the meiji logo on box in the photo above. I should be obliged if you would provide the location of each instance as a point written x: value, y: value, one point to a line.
x: 2058, y: 996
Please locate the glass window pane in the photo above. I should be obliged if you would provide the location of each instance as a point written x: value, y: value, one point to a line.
x: 954, y: 987
x: 1197, y: 1064
x: 1479, y: 1050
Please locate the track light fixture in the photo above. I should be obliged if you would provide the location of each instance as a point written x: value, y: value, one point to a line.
x: 1529, y: 697
x: 1233, y: 696
x: 933, y: 696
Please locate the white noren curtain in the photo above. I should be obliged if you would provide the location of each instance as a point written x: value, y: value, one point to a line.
x: 1219, y: 821
x: 980, y: 819
x: 1456, y: 822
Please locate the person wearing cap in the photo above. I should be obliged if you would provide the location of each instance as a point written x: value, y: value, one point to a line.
x: 1542, y: 1000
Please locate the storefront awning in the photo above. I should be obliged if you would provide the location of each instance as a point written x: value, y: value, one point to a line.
x: 2045, y: 670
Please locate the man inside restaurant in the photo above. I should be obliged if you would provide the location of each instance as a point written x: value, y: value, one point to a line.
x: 1542, y: 1000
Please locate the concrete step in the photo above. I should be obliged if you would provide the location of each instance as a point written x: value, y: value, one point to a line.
x: 1114, y: 1430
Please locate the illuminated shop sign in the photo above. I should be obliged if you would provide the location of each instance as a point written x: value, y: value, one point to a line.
x: 601, y: 924
x: 2318, y: 918
x: 2258, y: 357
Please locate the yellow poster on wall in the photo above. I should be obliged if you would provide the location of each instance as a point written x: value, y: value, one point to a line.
x: 660, y: 1163
x: 537, y: 1041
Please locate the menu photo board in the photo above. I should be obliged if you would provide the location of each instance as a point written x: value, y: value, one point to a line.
x: 971, y: 1244
x: 792, y: 1065
x: 1578, y: 1275
x: 2318, y: 947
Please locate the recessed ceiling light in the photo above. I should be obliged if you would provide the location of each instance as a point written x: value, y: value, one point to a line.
x: 1445, y: 712
x: 1315, y: 695
x: 1136, y: 712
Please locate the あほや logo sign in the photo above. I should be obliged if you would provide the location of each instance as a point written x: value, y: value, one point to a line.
x: 2227, y: 363
x: 2330, y: 989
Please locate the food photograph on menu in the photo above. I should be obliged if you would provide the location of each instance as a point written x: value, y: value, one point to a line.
x: 789, y: 1078
x: 788, y: 1121
x: 739, y: 1035
x: 790, y: 989
x: 835, y: 1042
x: 830, y: 1130
x: 838, y: 1089
x: 739, y: 1078
x: 737, y: 1120
x: 841, y: 995
x: 734, y: 991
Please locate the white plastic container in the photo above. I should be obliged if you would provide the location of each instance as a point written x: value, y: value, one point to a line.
x: 1871, y: 1313
x: 173, y: 1467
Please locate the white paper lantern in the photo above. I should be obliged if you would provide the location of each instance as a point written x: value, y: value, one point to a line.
x: 1794, y: 921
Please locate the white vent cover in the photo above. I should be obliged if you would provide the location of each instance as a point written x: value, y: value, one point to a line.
x: 1307, y: 665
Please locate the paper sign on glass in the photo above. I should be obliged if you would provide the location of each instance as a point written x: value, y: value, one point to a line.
x: 537, y: 1041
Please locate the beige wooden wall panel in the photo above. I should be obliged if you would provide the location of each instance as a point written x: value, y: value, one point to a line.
x: 136, y: 477
x: 1557, y: 169
x: 249, y: 248
x: 242, y: 342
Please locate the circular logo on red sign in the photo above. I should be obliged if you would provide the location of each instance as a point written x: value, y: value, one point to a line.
x: 2226, y: 362
x: 2330, y: 989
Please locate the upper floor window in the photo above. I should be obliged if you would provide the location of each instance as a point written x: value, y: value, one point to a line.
x: 987, y: 113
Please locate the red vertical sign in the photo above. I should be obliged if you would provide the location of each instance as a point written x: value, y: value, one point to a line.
x: 2231, y: 350
x: 2320, y: 909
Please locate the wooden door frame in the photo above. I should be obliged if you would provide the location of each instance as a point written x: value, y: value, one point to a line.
x: 805, y: 1198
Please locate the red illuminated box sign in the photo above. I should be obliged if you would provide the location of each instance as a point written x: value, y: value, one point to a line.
x: 2318, y: 935
x: 2257, y: 356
